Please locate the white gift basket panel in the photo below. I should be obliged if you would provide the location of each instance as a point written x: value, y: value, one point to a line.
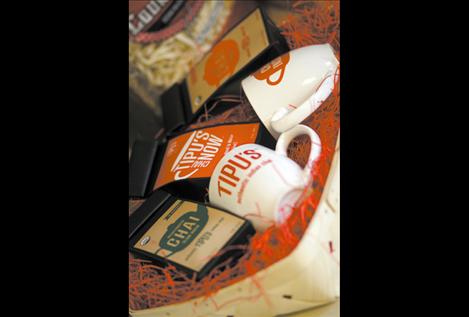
x: 307, y: 278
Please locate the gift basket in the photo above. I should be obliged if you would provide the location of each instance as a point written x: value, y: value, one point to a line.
x: 282, y: 268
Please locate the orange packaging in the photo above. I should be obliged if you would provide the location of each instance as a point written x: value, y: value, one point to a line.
x: 190, y: 158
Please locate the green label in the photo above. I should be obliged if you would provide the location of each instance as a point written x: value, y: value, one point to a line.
x: 184, y: 230
x: 189, y: 234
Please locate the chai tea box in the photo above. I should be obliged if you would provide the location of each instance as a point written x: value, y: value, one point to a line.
x: 186, y: 234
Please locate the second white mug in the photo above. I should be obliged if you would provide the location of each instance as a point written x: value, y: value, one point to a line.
x: 260, y: 184
x: 291, y: 87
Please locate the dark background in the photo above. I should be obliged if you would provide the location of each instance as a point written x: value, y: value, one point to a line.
x: 66, y: 142
x: 143, y: 122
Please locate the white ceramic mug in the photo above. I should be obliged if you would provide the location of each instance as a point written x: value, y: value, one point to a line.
x: 260, y: 184
x: 291, y: 87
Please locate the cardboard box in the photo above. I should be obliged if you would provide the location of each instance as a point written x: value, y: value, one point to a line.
x: 250, y: 44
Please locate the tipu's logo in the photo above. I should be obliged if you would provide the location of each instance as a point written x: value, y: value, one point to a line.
x: 198, y: 152
x: 227, y: 179
x: 277, y: 65
x: 221, y: 62
x: 183, y: 231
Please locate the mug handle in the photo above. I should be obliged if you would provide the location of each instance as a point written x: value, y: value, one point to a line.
x: 285, y: 118
x: 285, y: 139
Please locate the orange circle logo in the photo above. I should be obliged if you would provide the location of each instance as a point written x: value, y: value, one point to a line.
x: 221, y: 62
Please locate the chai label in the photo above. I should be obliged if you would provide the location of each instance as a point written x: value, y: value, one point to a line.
x: 189, y: 234
x: 233, y: 52
x: 195, y: 154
